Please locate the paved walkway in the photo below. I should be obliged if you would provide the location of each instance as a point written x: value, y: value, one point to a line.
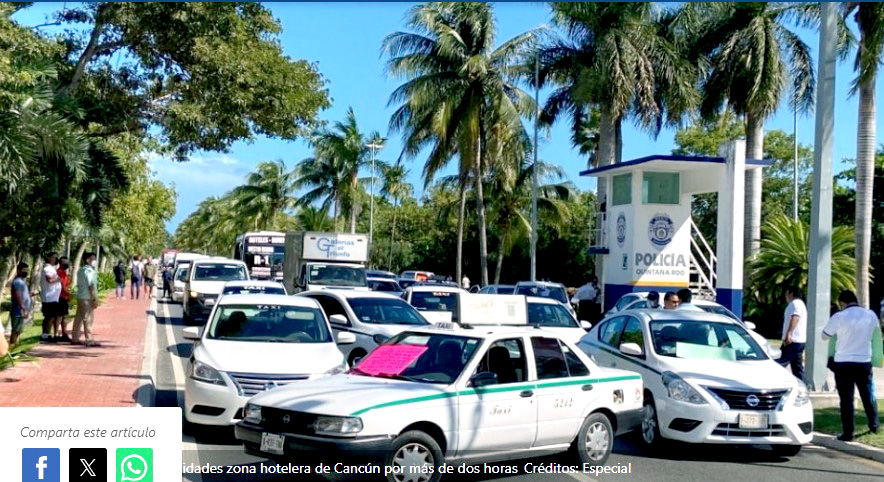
x: 77, y: 376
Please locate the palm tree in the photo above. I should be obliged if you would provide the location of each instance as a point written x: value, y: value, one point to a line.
x: 267, y: 195
x: 750, y: 56
x: 457, y: 86
x: 870, y: 19
x: 396, y: 188
x: 310, y: 218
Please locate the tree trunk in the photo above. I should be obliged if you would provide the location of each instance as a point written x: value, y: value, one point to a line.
x: 865, y: 183
x: 87, y: 54
x: 4, y: 269
x: 500, y: 252
x: 393, y: 235
x: 354, y: 185
x: 78, y: 260
x: 609, y: 126
x: 36, y: 271
x: 483, y: 237
x: 754, y: 150
x: 460, y: 223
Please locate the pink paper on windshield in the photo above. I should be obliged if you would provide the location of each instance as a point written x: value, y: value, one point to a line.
x: 390, y: 359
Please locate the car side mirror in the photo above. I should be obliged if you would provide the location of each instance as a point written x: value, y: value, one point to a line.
x: 338, y: 319
x: 482, y: 379
x: 585, y: 324
x: 379, y: 338
x: 191, y: 333
x: 749, y: 325
x: 346, y: 338
x: 631, y: 349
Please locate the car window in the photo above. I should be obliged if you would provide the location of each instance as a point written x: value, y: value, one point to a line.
x: 219, y: 272
x: 550, y: 315
x: 552, y: 292
x: 436, y: 301
x: 638, y: 305
x: 548, y: 358
x: 576, y: 368
x: 703, y: 340
x: 609, y: 332
x: 390, y: 311
x: 330, y: 306
x: 419, y: 357
x: 633, y: 333
x: 257, y: 289
x: 380, y: 285
x: 269, y: 323
x: 623, y: 302
x: 182, y: 274
x: 506, y: 359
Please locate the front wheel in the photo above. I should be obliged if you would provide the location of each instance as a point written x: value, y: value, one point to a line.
x: 594, y: 440
x: 650, y: 426
x: 786, y: 450
x: 414, y: 457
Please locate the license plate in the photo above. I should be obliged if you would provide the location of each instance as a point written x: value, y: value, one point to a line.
x: 272, y: 443
x: 753, y: 420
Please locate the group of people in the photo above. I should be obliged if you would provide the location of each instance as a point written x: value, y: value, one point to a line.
x: 143, y: 273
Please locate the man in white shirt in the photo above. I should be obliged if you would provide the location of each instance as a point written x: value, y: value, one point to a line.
x: 465, y: 282
x: 50, y: 292
x: 585, y: 298
x: 853, y: 328
x: 685, y: 296
x: 794, y: 333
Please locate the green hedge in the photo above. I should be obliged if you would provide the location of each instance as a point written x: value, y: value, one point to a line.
x: 106, y: 281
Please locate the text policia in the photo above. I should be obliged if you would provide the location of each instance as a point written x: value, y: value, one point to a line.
x: 369, y: 469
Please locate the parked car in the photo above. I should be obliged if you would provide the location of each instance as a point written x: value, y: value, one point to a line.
x: 436, y: 303
x: 205, y: 281
x: 550, y: 315
x: 416, y: 275
x: 706, y: 379
x: 370, y: 315
x: 458, y: 396
x: 376, y: 273
x: 385, y: 285
x: 254, y: 342
x: 498, y: 290
x: 179, y: 282
x: 546, y: 289
x: 253, y: 287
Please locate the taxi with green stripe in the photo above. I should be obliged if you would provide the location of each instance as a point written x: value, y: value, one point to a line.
x: 449, y: 394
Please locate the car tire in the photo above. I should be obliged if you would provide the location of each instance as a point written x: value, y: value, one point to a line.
x: 650, y: 426
x: 786, y: 450
x: 595, y: 440
x: 413, y: 449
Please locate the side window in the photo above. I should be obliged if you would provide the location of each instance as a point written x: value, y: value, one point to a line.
x: 506, y: 359
x: 576, y: 368
x: 633, y: 333
x: 624, y: 302
x: 548, y: 358
x: 330, y: 306
x: 609, y: 333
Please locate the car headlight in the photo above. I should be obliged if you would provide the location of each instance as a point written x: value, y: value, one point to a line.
x: 194, y: 294
x: 802, y: 397
x: 325, y: 425
x: 252, y: 413
x: 204, y: 373
x: 342, y: 368
x: 681, y: 390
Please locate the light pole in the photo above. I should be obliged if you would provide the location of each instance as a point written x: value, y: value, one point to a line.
x: 534, y: 169
x: 374, y: 146
x: 795, y: 165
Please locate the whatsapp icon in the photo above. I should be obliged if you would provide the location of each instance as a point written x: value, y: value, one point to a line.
x: 134, y: 465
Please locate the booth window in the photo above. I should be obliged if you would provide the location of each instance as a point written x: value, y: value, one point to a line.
x: 660, y: 188
x: 622, y: 193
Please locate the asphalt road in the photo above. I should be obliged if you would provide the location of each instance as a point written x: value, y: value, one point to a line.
x: 218, y: 448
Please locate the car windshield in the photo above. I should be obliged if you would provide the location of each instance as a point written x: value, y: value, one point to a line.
x: 336, y: 275
x: 550, y: 315
x: 552, y: 292
x: 385, y: 311
x: 219, y: 272
x: 419, y: 357
x: 434, y: 301
x: 704, y: 340
x: 269, y: 323
x: 382, y: 285
x: 182, y: 274
x: 257, y: 289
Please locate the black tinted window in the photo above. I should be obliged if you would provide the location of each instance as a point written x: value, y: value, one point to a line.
x: 548, y: 358
x: 576, y: 368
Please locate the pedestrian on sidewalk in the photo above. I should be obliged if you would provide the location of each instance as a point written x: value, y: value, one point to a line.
x: 50, y: 292
x: 150, y: 276
x: 167, y: 282
x: 137, y: 270
x: 64, y: 301
x: 22, y: 304
x: 120, y: 280
x: 794, y: 333
x: 87, y: 300
x: 853, y: 328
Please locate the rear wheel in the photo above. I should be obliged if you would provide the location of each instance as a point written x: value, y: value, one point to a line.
x: 786, y: 450
x: 414, y: 457
x: 594, y: 440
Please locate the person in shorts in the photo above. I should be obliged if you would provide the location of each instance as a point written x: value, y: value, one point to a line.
x: 64, y: 306
x: 87, y: 301
x: 21, y: 303
x: 137, y: 270
x: 50, y: 291
x: 150, y: 276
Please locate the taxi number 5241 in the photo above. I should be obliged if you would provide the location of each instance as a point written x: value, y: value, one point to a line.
x: 563, y: 402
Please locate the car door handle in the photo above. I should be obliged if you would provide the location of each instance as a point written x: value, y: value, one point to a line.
x: 586, y: 388
x: 526, y: 393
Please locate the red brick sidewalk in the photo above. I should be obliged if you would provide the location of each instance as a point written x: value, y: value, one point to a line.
x: 80, y: 376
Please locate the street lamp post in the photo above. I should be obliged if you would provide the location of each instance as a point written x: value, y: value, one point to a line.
x: 374, y: 146
x: 534, y: 170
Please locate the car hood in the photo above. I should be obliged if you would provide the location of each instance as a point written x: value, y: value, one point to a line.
x: 345, y: 394
x: 207, y: 287
x: 746, y: 374
x: 437, y: 316
x: 269, y: 358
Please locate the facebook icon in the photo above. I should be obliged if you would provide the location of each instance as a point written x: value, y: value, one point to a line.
x: 41, y: 464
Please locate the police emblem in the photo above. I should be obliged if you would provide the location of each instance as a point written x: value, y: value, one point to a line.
x: 621, y: 229
x: 660, y: 230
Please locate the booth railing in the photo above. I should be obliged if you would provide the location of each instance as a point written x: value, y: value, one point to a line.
x: 703, y: 264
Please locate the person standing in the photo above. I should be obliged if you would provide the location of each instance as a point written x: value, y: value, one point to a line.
x: 120, y: 280
x: 21, y: 303
x: 794, y: 333
x: 50, y: 292
x: 465, y: 282
x: 684, y: 301
x: 64, y: 301
x: 150, y: 276
x: 670, y: 301
x: 87, y: 300
x: 853, y: 328
x: 167, y: 282
x: 137, y: 271
x: 654, y: 300
x: 585, y: 298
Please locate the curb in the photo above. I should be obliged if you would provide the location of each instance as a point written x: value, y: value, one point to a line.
x: 852, y: 448
x: 147, y: 389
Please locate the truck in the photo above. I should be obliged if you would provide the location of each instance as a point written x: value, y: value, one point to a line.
x: 168, y: 257
x: 319, y: 261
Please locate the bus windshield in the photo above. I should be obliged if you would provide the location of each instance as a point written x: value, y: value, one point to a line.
x: 336, y: 275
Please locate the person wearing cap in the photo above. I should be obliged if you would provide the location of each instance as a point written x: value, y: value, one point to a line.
x: 654, y: 300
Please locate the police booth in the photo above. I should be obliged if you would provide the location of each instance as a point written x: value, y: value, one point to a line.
x: 645, y: 234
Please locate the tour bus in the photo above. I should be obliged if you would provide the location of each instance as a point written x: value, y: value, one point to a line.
x: 263, y: 252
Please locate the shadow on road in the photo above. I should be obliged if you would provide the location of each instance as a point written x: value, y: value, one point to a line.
x: 182, y: 350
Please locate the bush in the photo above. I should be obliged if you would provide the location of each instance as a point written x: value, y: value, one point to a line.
x: 106, y: 281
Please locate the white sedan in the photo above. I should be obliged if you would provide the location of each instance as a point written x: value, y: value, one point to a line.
x: 706, y: 379
x: 551, y: 315
x: 253, y: 287
x: 252, y: 343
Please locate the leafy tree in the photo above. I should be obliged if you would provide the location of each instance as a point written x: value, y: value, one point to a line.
x: 397, y: 188
x: 267, y: 195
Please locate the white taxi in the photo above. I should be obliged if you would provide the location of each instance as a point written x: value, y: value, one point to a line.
x: 706, y: 379
x: 450, y: 395
x: 252, y: 343
x: 551, y: 315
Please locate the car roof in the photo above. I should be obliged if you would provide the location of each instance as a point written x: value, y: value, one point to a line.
x: 351, y: 294
x: 484, y: 331
x: 218, y: 261
x: 676, y: 315
x: 379, y: 278
x: 421, y: 288
x: 541, y: 300
x: 540, y: 283
x: 255, y: 282
x: 265, y: 299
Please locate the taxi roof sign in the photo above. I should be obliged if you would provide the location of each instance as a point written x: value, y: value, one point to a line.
x: 487, y: 309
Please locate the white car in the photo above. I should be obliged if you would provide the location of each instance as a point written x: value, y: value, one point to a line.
x: 179, y: 282
x: 369, y: 315
x: 437, y: 303
x: 706, y: 379
x: 205, y: 281
x: 435, y: 395
x: 252, y: 343
x: 253, y: 287
x: 552, y: 316
x: 546, y: 289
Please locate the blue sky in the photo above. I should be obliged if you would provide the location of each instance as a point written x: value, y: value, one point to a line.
x: 344, y: 39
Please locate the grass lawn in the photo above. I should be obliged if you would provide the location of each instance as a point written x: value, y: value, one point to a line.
x: 828, y: 420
